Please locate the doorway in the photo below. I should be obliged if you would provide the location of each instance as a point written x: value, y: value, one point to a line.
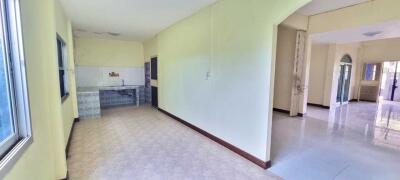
x: 389, y: 89
x: 344, y: 80
x: 154, y: 77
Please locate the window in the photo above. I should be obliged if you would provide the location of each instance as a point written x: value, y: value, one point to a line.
x: 15, y: 129
x: 62, y: 67
x: 7, y: 130
x: 370, y: 72
x: 154, y: 68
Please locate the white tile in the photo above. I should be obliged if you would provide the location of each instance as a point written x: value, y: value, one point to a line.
x: 142, y: 143
x: 348, y: 142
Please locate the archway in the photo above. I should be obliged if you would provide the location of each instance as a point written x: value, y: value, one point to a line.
x: 344, y: 80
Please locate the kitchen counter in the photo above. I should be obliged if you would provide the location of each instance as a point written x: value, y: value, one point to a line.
x: 111, y: 88
x: 92, y: 99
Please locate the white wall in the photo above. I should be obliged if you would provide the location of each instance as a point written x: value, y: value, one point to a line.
x: 284, y: 64
x: 376, y: 51
x: 316, y: 86
x: 329, y: 73
x: 99, y: 76
x: 381, y: 50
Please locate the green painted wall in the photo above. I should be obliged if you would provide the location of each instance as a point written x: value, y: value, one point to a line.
x: 233, y: 43
x: 108, y: 53
x: 69, y: 106
x: 45, y: 157
x: 150, y: 49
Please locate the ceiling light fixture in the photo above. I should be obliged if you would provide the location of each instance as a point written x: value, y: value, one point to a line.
x: 372, y: 33
x: 80, y: 30
x: 113, y: 33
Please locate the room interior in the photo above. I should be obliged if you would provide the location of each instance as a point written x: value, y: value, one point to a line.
x: 344, y: 87
x: 213, y: 89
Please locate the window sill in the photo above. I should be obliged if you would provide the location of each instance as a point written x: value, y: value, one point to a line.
x: 64, y: 98
x: 12, y: 157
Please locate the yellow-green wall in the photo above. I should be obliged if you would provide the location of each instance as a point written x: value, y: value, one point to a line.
x: 108, y: 53
x: 150, y: 48
x: 45, y: 157
x: 233, y: 42
x: 69, y: 105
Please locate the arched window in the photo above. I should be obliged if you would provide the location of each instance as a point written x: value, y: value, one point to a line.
x: 346, y: 59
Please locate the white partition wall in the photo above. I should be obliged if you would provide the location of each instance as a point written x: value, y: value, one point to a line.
x: 99, y: 76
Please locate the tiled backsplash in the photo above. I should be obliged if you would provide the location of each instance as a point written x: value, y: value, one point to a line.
x: 99, y: 76
x: 123, y: 97
x: 88, y: 104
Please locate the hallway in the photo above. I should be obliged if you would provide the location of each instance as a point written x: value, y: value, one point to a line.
x: 142, y: 143
x: 356, y: 141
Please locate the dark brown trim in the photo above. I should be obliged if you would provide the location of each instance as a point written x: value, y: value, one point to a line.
x: 367, y: 100
x: 67, y: 176
x: 287, y: 112
x: 70, y: 137
x: 318, y: 105
x: 231, y: 147
x: 281, y: 110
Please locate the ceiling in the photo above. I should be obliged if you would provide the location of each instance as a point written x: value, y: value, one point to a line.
x: 142, y: 19
x: 320, y: 6
x: 128, y: 19
x: 386, y: 30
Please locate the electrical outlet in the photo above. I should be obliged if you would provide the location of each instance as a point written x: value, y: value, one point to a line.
x: 208, y: 75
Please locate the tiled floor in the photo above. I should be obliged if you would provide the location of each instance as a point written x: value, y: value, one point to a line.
x: 355, y: 141
x: 142, y: 143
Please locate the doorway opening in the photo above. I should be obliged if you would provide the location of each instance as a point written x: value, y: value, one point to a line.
x: 343, y: 89
x: 154, y: 77
x: 390, y: 82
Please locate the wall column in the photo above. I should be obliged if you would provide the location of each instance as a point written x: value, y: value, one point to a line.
x: 299, y: 80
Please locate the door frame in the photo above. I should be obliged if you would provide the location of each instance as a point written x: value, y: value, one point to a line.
x: 382, y: 64
x: 350, y: 66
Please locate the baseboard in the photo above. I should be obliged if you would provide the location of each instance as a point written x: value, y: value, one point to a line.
x: 231, y: 147
x: 70, y: 136
x: 66, y: 177
x: 287, y: 112
x: 353, y: 100
x: 318, y: 105
x: 374, y: 101
x: 281, y: 110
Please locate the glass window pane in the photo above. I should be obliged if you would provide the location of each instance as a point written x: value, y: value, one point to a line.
x: 6, y: 123
x: 370, y: 72
x: 62, y: 70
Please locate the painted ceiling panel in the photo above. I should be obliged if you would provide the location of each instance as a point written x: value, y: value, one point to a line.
x: 320, y: 6
x: 128, y: 19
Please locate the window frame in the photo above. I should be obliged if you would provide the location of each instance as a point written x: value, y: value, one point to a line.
x: 374, y: 72
x: 63, y: 68
x: 10, y: 12
x: 7, y: 143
